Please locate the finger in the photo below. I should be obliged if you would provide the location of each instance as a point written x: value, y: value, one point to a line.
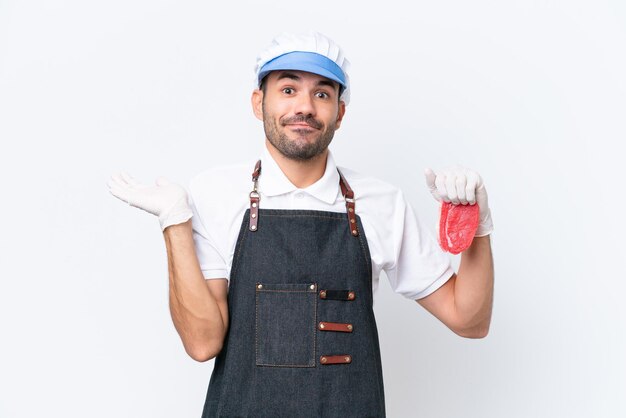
x: 470, y: 193
x: 118, y: 179
x: 451, y: 188
x: 111, y: 184
x: 440, y: 181
x: 128, y: 178
x: 120, y: 192
x: 461, y: 182
x: 430, y: 176
x: 470, y: 188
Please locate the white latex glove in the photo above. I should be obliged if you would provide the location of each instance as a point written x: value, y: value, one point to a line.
x: 166, y: 200
x: 461, y: 186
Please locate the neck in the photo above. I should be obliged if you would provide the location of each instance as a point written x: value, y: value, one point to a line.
x: 300, y: 173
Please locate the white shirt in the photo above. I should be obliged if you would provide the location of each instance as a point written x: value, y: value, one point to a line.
x: 399, y: 245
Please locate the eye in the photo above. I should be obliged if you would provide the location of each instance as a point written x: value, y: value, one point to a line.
x: 288, y: 90
x: 322, y: 95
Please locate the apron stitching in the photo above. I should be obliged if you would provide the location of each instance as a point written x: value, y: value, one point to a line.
x: 305, y: 216
x: 315, y: 302
x: 367, y: 261
x: 243, y: 234
x: 239, y: 250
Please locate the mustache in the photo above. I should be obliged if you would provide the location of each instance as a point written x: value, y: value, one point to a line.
x: 309, y: 120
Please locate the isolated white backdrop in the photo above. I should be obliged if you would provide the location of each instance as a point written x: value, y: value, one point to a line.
x: 531, y: 94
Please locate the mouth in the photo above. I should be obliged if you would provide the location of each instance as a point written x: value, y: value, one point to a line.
x: 301, y: 126
x: 302, y: 123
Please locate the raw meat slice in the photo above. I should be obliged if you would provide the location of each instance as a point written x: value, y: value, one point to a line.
x: 457, y: 226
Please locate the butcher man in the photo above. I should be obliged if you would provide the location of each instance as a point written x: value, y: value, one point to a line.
x: 274, y: 263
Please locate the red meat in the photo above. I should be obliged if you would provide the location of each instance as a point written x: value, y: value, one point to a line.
x: 457, y: 226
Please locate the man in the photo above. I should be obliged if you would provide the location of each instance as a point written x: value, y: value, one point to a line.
x: 275, y: 276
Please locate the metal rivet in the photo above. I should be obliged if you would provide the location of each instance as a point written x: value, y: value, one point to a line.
x: 312, y: 287
x: 254, y: 205
x: 354, y: 232
x: 352, y: 221
x: 349, y: 327
x: 350, y: 209
x: 323, y: 360
x: 260, y: 286
x: 323, y: 294
x: 351, y: 295
x: 347, y: 359
x: 253, y: 227
x: 322, y: 326
x: 254, y: 215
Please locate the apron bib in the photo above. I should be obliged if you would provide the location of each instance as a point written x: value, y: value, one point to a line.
x: 302, y: 339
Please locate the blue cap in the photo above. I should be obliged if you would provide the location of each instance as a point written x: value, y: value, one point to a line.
x: 310, y: 62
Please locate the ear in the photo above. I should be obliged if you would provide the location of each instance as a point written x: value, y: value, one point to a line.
x: 340, y: 113
x: 257, y: 103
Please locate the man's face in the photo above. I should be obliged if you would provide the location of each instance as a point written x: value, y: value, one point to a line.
x: 300, y: 112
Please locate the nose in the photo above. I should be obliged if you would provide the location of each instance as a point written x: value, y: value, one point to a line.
x: 304, y: 104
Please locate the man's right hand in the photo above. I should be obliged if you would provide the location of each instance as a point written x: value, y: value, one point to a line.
x: 166, y: 200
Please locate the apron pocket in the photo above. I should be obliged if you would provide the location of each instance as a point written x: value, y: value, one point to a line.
x: 286, y: 322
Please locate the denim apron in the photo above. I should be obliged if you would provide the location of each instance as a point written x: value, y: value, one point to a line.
x: 302, y: 339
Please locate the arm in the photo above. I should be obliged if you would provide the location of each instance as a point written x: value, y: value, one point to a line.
x: 464, y: 303
x: 198, y: 307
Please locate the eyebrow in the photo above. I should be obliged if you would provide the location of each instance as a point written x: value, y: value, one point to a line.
x: 295, y: 77
x: 286, y: 74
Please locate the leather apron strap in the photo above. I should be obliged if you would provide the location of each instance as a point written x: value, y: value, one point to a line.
x: 346, y: 191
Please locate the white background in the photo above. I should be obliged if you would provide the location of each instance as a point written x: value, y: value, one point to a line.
x: 532, y: 94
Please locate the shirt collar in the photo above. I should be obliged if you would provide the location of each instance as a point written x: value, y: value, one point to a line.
x: 273, y: 181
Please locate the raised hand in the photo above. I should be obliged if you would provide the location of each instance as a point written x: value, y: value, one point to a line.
x: 167, y: 201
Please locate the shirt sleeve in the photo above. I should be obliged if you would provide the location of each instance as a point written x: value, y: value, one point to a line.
x: 211, y: 261
x: 420, y: 266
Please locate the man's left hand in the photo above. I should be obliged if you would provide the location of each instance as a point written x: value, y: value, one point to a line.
x: 461, y: 186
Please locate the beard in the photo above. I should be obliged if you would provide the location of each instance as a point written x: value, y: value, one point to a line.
x: 299, y: 148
